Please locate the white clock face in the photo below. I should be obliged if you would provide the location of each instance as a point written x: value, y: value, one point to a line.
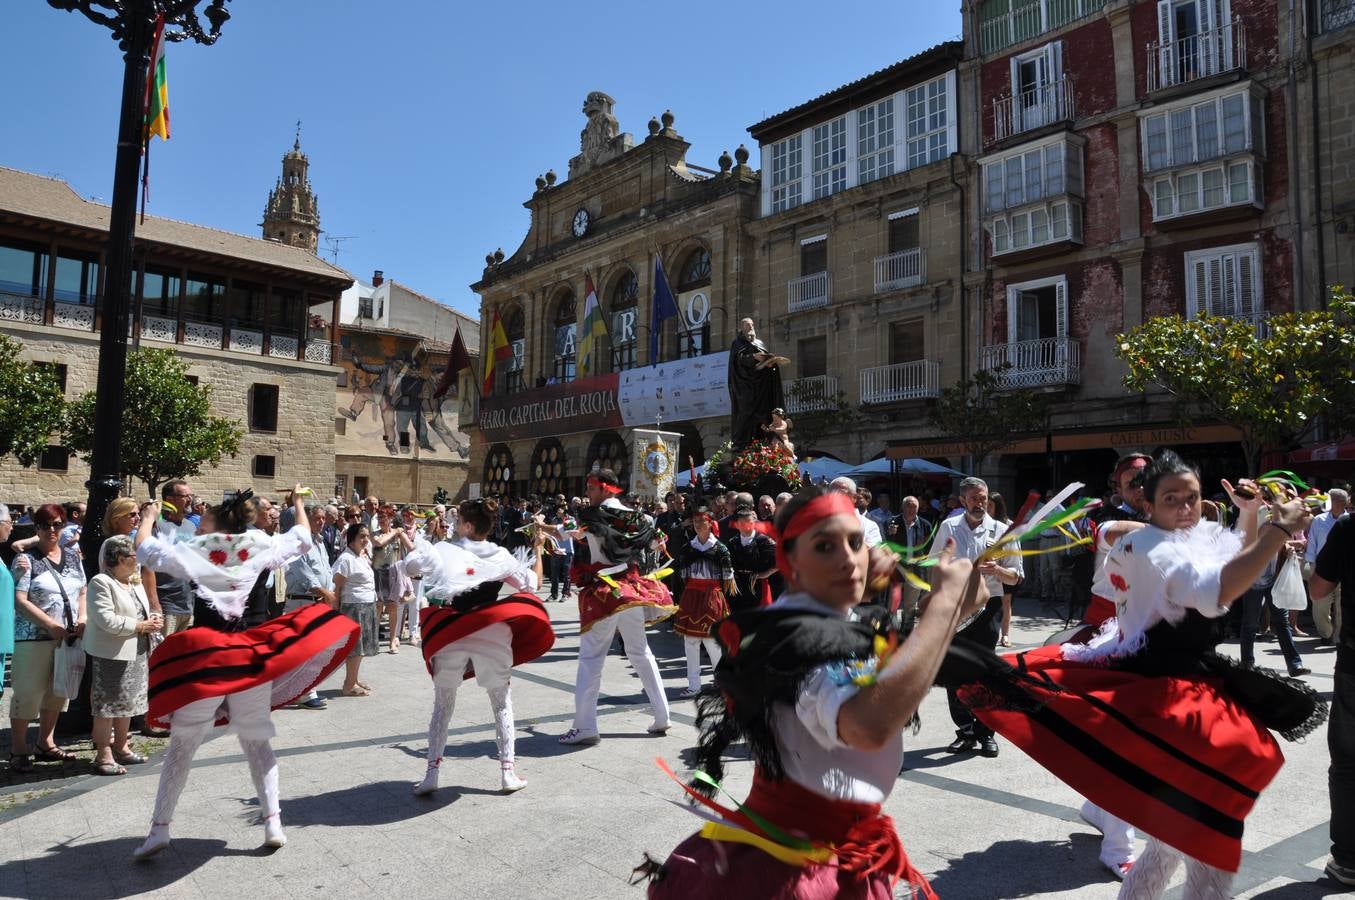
x: 581, y: 223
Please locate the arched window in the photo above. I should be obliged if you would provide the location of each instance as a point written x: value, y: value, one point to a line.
x: 498, y: 478
x: 547, y: 475
x: 694, y: 304
x: 607, y: 451
x: 624, y: 306
x: 566, y: 338
x: 515, y: 331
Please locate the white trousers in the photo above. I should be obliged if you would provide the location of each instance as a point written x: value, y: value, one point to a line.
x: 408, y: 611
x: 1117, y: 835
x: 593, y: 646
x: 490, y: 652
x: 693, y: 645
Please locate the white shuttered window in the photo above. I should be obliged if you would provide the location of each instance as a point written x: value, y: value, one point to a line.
x: 1224, y: 281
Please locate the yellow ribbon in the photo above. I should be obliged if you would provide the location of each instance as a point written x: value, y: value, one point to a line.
x: 717, y: 831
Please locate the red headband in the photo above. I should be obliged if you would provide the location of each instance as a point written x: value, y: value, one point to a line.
x: 821, y: 507
x: 606, y: 488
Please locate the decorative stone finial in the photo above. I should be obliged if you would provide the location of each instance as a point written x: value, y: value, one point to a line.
x: 654, y: 126
x: 741, y: 155
x: 550, y: 177
x: 540, y: 183
x: 489, y: 260
x: 668, y: 118
x: 725, y: 161
x: 498, y: 256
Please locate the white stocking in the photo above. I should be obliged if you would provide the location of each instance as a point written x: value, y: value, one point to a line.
x: 444, y: 701
x: 501, y: 701
x: 1151, y: 873
x: 183, y: 744
x: 1204, y: 882
x: 263, y: 768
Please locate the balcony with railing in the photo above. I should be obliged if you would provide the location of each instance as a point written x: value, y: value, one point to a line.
x: 817, y: 393
x: 1047, y: 362
x: 807, y: 292
x: 1042, y: 105
x: 917, y: 380
x: 250, y: 339
x: 1197, y: 56
x: 905, y: 269
x: 1337, y: 14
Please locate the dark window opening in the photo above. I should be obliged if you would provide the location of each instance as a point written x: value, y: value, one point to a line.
x: 55, y: 459
x: 263, y: 407
x: 903, y: 234
x: 814, y: 257
x: 813, y: 359
x: 265, y: 466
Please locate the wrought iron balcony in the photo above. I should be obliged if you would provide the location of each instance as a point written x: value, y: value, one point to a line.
x: 1197, y: 56
x: 1042, y: 105
x: 907, y: 268
x: 916, y: 380
x: 807, y: 292
x: 1046, y: 362
x: 814, y: 394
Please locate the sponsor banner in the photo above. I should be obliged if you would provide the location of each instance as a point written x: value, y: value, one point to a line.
x: 584, y: 404
x: 676, y: 391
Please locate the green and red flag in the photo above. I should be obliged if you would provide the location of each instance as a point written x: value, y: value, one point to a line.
x: 157, y: 87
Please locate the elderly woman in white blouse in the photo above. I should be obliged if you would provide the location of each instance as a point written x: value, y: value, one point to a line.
x: 117, y: 639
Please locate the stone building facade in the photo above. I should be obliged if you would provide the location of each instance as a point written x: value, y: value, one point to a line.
x: 237, y: 309
x: 860, y: 249
x: 626, y: 208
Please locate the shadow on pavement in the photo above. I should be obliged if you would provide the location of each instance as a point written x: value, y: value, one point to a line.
x: 377, y: 803
x: 66, y: 871
x: 1304, y: 890
x: 1023, y: 868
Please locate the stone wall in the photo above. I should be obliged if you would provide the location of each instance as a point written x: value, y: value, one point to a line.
x: 400, y: 480
x: 303, y: 445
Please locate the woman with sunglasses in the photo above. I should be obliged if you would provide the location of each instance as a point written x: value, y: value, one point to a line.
x: 219, y: 671
x: 49, y: 596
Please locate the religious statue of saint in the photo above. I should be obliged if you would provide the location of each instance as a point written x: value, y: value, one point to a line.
x: 754, y: 385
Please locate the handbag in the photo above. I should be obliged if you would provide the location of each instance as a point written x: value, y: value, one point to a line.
x: 1288, y: 593
x: 68, y: 661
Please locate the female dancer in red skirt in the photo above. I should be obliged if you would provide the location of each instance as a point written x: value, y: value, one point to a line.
x: 469, y: 632
x: 822, y: 705
x: 219, y: 672
x: 1146, y: 720
x: 708, y: 578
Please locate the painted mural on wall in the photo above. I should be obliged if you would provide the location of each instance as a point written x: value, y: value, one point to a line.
x: 387, y: 399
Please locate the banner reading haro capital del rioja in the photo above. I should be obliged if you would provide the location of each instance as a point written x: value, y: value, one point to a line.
x: 674, y: 391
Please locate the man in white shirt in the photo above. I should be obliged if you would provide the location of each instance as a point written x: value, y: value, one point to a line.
x: 974, y: 532
x: 1326, y: 610
x: 869, y: 529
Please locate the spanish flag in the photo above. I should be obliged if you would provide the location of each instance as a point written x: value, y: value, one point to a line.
x: 499, y: 351
x: 157, y: 87
x: 594, y: 331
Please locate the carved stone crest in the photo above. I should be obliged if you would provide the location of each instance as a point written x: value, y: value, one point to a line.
x: 600, y: 140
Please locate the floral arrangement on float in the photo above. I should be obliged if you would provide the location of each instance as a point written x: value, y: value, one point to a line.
x: 761, y: 459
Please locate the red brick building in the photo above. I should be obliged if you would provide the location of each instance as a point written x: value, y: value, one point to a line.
x: 1133, y: 160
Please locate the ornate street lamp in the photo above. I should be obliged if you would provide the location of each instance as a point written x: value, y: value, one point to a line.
x: 132, y: 23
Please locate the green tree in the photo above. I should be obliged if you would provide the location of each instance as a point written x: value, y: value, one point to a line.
x: 820, y: 417
x: 985, y: 417
x: 32, y: 404
x: 1274, y: 380
x: 168, y: 430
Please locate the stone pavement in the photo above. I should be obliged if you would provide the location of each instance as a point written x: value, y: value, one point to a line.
x: 978, y: 828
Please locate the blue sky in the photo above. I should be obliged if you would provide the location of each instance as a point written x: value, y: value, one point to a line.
x: 427, y: 121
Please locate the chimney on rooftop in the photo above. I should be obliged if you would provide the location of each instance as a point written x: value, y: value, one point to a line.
x: 377, y: 278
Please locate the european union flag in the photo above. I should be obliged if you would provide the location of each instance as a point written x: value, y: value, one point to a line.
x: 665, y: 307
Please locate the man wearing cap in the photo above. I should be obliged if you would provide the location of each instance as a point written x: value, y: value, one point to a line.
x: 614, y: 595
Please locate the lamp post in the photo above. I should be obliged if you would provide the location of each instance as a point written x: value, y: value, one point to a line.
x: 132, y: 23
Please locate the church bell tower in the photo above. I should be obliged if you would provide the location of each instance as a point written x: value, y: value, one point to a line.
x: 292, y: 215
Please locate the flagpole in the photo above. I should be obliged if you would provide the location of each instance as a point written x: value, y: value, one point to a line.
x: 134, y: 26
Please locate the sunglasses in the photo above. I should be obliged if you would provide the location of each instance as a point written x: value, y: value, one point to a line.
x: 49, y: 526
